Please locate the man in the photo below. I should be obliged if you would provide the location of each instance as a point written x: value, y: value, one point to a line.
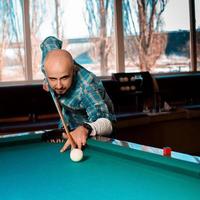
x: 86, y: 107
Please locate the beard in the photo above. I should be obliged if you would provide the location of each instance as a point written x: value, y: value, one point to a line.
x: 61, y: 91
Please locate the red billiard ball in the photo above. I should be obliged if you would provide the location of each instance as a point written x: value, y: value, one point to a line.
x: 167, y: 151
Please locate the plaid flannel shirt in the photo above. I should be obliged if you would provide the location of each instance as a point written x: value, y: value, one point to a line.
x: 86, y: 100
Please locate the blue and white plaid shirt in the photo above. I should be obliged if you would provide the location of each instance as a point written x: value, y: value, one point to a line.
x: 87, y: 100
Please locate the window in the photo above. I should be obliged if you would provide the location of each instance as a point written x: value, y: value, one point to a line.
x: 87, y: 29
x: 11, y: 41
x: 85, y: 32
x: 197, y: 12
x: 159, y: 43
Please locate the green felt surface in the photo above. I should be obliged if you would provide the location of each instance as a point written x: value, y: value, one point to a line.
x: 39, y: 171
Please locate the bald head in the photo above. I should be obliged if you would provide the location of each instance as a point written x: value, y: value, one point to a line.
x: 58, y: 56
x: 59, y: 68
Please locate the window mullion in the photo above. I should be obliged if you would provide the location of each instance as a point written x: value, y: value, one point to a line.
x: 27, y: 42
x: 119, y: 36
x: 193, y: 49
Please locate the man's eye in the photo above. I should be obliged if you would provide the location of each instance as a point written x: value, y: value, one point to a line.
x: 65, y: 78
x: 52, y: 79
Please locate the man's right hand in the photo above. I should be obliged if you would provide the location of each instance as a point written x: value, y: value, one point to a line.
x: 79, y: 135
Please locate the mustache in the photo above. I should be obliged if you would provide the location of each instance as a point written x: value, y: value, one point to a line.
x: 60, y: 91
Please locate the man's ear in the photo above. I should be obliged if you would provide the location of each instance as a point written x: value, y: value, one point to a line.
x: 45, y: 80
x: 45, y: 85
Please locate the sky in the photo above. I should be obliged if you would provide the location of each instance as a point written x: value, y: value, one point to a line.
x: 176, y: 17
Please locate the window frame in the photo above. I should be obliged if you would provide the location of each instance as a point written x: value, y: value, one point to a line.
x: 119, y: 42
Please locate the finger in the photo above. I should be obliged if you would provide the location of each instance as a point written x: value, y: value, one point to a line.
x: 66, y: 145
x: 64, y: 135
x: 84, y: 143
x: 79, y: 144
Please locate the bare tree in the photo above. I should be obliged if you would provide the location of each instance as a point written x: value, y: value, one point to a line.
x: 97, y: 23
x: 145, y: 43
x: 4, y: 36
x: 16, y: 30
x: 10, y: 31
x: 38, y: 14
x: 198, y: 46
x: 58, y: 16
x: 148, y: 41
x: 37, y: 10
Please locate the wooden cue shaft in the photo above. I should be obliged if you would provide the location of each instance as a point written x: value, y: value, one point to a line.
x: 62, y: 118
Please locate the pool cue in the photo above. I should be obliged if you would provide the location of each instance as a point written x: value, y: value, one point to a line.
x: 73, y: 144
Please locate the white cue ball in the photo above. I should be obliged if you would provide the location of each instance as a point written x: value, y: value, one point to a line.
x: 76, y: 155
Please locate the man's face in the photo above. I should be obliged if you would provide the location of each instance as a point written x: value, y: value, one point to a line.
x: 60, y: 74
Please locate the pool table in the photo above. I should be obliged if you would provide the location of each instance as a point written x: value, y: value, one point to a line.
x: 32, y: 169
